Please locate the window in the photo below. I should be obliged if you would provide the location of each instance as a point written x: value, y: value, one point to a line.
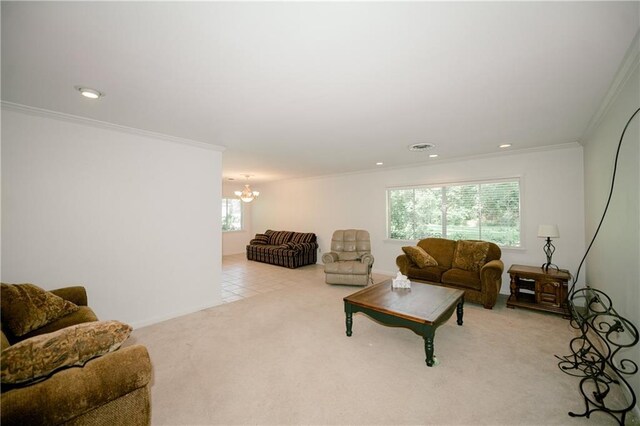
x: 231, y: 214
x: 487, y: 211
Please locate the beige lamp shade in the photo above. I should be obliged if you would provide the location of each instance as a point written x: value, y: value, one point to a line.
x: 548, y: 231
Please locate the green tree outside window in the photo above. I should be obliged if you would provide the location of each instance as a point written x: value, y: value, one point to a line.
x: 231, y: 214
x: 487, y: 211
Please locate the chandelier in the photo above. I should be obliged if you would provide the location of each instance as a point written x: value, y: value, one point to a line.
x: 247, y: 195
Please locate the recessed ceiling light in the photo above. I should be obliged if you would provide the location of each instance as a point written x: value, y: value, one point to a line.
x: 433, y: 155
x: 90, y: 93
x: 379, y: 163
x: 504, y: 145
x: 421, y: 146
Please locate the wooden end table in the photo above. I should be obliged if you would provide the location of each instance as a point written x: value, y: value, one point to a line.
x: 534, y: 288
x: 422, y: 309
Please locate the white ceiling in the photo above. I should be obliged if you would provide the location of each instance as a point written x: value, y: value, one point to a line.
x: 303, y: 89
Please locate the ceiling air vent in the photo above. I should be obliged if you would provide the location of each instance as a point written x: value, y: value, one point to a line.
x: 421, y: 146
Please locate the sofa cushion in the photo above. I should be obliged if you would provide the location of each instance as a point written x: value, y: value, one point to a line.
x: 441, y: 249
x: 419, y: 256
x: 26, y: 307
x: 470, y: 255
x: 350, y: 267
x: 38, y: 357
x: 462, y: 278
x: 349, y: 255
x: 279, y: 237
x: 82, y: 315
x: 299, y: 246
x: 428, y: 273
x: 303, y: 237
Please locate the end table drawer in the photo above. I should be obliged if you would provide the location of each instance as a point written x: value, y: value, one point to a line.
x: 549, y: 293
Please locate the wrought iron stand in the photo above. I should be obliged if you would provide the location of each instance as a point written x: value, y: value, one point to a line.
x: 596, y: 354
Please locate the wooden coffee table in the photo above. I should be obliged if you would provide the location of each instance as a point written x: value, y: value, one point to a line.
x: 422, y: 309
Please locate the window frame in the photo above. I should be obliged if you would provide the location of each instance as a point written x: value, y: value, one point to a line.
x: 227, y: 199
x: 517, y: 179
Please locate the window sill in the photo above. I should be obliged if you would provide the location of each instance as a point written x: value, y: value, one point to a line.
x: 414, y: 242
x: 516, y: 249
x: 403, y: 242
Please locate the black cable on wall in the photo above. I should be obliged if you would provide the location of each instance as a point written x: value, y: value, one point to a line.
x: 606, y: 207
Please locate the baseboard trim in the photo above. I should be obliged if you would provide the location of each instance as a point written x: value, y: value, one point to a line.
x: 175, y: 314
x: 380, y: 271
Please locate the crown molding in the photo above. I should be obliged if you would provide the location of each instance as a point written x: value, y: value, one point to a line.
x: 627, y: 68
x: 40, y: 112
x: 439, y: 161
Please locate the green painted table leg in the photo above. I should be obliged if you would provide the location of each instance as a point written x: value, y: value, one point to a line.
x: 428, y: 344
x: 349, y: 317
x: 459, y: 310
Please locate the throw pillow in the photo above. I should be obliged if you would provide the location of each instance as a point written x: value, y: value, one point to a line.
x: 37, y: 357
x: 470, y: 255
x: 419, y: 256
x: 306, y: 237
x: 26, y: 307
x: 260, y: 239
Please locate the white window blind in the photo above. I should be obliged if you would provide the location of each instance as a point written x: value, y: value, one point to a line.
x: 487, y: 211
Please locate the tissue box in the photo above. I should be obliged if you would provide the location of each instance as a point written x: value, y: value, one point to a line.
x: 400, y: 283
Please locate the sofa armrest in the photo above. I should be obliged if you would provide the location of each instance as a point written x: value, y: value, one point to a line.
x: 491, y: 281
x: 306, y: 247
x: 404, y: 263
x: 367, y: 259
x: 76, y: 294
x: 329, y: 257
x: 259, y: 239
x: 495, y: 267
x: 75, y: 391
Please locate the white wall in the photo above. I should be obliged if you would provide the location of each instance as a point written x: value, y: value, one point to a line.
x: 235, y: 242
x: 552, y: 192
x: 135, y: 219
x: 614, y: 261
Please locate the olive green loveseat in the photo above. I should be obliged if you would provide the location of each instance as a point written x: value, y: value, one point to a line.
x: 472, y: 266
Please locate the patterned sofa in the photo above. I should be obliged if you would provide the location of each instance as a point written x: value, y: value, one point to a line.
x: 284, y: 248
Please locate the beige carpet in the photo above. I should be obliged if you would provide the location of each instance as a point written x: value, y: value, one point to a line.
x: 282, y: 357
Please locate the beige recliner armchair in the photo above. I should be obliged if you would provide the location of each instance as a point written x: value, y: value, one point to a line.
x: 350, y: 260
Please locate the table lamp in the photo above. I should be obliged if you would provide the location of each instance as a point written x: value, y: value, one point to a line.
x: 548, y: 232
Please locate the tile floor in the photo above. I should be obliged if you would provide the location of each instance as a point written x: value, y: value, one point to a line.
x: 242, y: 278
